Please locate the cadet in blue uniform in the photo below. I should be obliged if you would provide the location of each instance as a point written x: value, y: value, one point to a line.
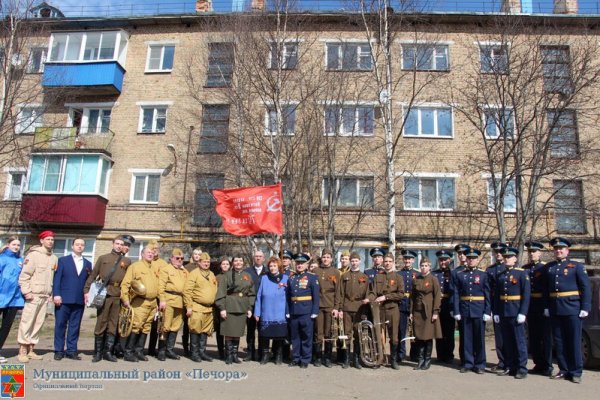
x: 493, y: 271
x: 538, y: 325
x: 569, y: 298
x: 444, y: 347
x: 408, y: 274
x: 472, y: 308
x: 376, y: 254
x: 460, y: 249
x: 303, y: 306
x: 511, y: 302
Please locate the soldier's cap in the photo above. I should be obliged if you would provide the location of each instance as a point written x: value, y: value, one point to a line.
x: 204, y: 256
x: 498, y: 246
x: 153, y: 244
x: 408, y: 254
x: 326, y: 251
x: 345, y: 253
x: 462, y: 248
x: 287, y: 254
x: 45, y: 234
x: 472, y: 253
x: 443, y: 253
x: 560, y: 242
x: 354, y: 255
x: 128, y: 239
x: 176, y: 252
x: 509, y: 251
x: 389, y: 254
x: 377, y: 251
x: 534, y: 246
x: 301, y: 258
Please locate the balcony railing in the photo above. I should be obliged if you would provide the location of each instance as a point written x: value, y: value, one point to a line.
x: 72, y: 139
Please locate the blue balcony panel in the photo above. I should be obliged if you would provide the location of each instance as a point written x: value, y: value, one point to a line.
x: 104, y: 77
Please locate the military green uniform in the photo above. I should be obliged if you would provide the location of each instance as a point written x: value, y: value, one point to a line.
x: 199, y: 296
x: 171, y: 282
x: 390, y: 285
x: 329, y: 279
x: 352, y: 290
x: 144, y: 307
x: 236, y: 295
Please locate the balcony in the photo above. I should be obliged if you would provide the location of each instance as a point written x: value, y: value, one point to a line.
x: 102, y: 77
x: 49, y: 139
x: 64, y: 210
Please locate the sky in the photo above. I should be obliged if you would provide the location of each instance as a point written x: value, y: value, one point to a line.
x: 138, y: 7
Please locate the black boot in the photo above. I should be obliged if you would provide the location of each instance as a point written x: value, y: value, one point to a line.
x: 357, y: 363
x: 130, y: 342
x: 328, y: 353
x: 221, y: 346
x: 109, y: 347
x: 420, y: 352
x: 318, y: 356
x: 263, y: 345
x: 394, y: 350
x: 162, y: 350
x: 427, y: 351
x: 170, y: 352
x: 250, y: 354
x: 118, y: 350
x: 344, y: 358
x: 185, y: 336
x: 195, y: 347
x: 139, y: 347
x: 153, y: 339
x: 203, y: 355
x: 278, y: 351
x: 234, y: 351
x: 98, y: 348
x: 228, y: 351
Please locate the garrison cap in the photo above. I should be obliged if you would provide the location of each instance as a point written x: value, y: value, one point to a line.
x: 377, y: 251
x: 354, y: 255
x: 443, y: 253
x: 326, y: 251
x: 534, y: 246
x: 176, y: 252
x: 345, y: 253
x: 560, y: 242
x: 204, y: 256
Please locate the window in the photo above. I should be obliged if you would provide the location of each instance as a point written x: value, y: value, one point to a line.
x: 29, y: 118
x: 284, y: 55
x: 204, y: 209
x: 288, y: 118
x: 564, y: 140
x: 429, y: 193
x: 425, y: 57
x: 494, y: 59
x: 73, y: 174
x: 568, y: 207
x: 37, y: 58
x: 145, y: 186
x: 493, y: 193
x: 349, y: 57
x: 15, y: 184
x: 215, y: 126
x: 153, y: 119
x: 349, y: 192
x: 429, y: 121
x: 63, y: 247
x: 498, y: 122
x: 357, y: 120
x: 160, y: 58
x: 93, y: 119
x: 88, y: 46
x: 220, y: 65
x: 557, y: 73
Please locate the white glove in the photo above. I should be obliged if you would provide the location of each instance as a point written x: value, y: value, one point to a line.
x: 457, y: 317
x: 583, y: 314
x: 313, y: 316
x: 287, y: 316
x: 486, y: 317
x: 521, y: 318
x: 546, y: 312
x: 496, y: 319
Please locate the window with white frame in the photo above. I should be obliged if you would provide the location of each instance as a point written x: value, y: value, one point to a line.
x: 556, y: 62
x: 29, y: 117
x: 160, y: 57
x: 564, y: 137
x: 91, y: 118
x: 350, y: 120
x: 284, y: 55
x: 429, y: 121
x: 37, y: 58
x: 429, y: 193
x: 63, y: 247
x: 493, y: 58
x: 569, y: 209
x: 145, y: 186
x: 349, y: 56
x: 498, y: 122
x: 88, y: 46
x: 153, y: 119
x: 15, y: 184
x: 425, y: 57
x: 287, y: 115
x: 495, y: 191
x: 349, y: 191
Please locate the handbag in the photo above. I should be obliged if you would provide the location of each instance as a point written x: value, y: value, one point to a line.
x: 97, y: 292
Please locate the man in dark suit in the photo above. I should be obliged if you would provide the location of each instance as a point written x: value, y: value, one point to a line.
x: 256, y: 272
x: 69, y: 279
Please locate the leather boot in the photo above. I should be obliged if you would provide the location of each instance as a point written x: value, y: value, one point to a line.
x: 278, y: 350
x: 185, y: 337
x: 119, y: 346
x: 170, y: 351
x: 203, y: 355
x: 234, y: 351
x: 139, y: 347
x: 221, y: 346
x: 318, y: 357
x: 420, y: 352
x: 427, y: 351
x: 250, y: 354
x: 98, y: 348
x: 153, y: 338
x: 195, y: 347
x: 394, y: 350
x: 228, y: 351
x: 129, y: 355
x: 109, y: 347
x: 162, y: 350
x: 328, y: 353
x: 357, y: 363
x: 264, y: 349
x: 344, y: 358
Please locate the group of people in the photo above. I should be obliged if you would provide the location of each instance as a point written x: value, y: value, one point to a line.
x: 303, y: 306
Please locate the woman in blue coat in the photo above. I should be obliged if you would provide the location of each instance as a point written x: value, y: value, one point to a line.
x: 270, y: 309
x: 11, y: 299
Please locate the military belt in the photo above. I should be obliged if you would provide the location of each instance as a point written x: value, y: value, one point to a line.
x: 445, y: 295
x: 536, y: 295
x: 302, y: 298
x: 510, y: 298
x: 406, y: 295
x: 564, y: 294
x: 472, y: 298
x: 117, y: 284
x: 173, y: 292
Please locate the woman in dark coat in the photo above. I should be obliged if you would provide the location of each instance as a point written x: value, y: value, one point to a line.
x: 425, y: 303
x: 235, y: 301
x: 224, y: 266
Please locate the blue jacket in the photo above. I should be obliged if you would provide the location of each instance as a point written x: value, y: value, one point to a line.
x: 471, y: 296
x: 67, y: 284
x: 271, y: 301
x: 537, y: 273
x: 444, y: 279
x: 407, y: 276
x: 567, y: 288
x: 493, y: 272
x: 10, y: 269
x: 513, y: 291
x: 306, y: 287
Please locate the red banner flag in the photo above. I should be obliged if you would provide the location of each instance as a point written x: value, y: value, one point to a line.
x: 250, y: 210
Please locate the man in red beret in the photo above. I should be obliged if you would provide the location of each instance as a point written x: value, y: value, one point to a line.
x: 36, y: 285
